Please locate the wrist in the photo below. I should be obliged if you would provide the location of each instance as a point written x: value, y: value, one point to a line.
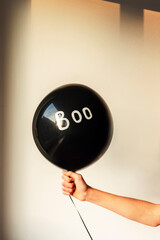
x: 89, y: 194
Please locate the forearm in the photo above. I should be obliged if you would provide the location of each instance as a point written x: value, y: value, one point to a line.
x: 134, y: 209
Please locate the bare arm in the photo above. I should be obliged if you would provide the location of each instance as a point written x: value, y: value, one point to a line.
x: 133, y: 209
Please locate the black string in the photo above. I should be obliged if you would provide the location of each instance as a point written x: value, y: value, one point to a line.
x: 81, y: 218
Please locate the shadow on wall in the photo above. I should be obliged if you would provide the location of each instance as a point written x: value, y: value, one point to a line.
x: 6, y: 10
x: 2, y: 80
x: 132, y: 14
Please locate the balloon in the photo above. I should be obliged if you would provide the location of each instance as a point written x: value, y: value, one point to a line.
x: 72, y: 127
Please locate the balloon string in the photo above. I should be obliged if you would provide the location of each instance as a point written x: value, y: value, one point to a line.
x: 81, y: 218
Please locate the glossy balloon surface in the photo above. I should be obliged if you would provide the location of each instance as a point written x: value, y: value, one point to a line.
x: 72, y: 127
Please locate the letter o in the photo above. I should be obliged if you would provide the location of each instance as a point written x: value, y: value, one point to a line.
x: 89, y: 115
x: 79, y: 115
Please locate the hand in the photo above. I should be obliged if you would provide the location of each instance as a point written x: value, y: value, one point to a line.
x: 74, y: 184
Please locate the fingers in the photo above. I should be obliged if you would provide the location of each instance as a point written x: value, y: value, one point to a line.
x: 67, y: 179
x: 68, y: 185
x: 72, y: 175
x: 68, y: 188
x: 68, y: 191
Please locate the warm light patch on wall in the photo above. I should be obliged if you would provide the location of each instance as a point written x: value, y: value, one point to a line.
x: 70, y: 34
x: 95, y: 10
x: 152, y: 26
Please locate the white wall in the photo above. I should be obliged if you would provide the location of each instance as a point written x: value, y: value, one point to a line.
x: 80, y: 41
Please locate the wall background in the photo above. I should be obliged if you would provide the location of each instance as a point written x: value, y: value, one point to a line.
x: 51, y: 43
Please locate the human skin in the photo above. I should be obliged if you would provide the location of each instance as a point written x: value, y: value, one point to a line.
x: 134, y: 209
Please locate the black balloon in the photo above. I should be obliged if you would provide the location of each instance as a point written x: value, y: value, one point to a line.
x: 72, y: 126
